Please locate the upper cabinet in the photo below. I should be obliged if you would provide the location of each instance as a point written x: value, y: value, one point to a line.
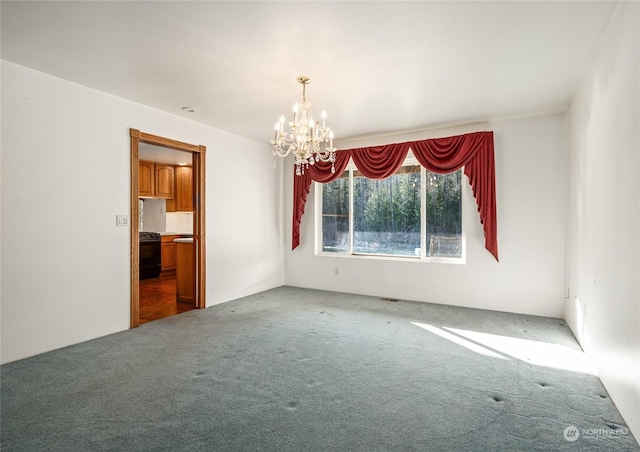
x: 183, y: 196
x: 155, y: 180
x: 164, y: 181
x: 146, y: 179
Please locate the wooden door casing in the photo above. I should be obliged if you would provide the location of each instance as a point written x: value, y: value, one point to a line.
x: 198, y: 153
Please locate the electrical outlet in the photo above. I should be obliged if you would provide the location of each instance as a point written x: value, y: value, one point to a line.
x: 122, y: 220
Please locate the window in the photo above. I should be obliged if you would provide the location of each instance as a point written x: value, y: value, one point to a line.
x: 414, y: 213
x: 443, y: 215
x: 335, y: 215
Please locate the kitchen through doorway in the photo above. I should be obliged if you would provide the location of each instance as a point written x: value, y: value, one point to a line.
x: 165, y: 208
x: 167, y: 227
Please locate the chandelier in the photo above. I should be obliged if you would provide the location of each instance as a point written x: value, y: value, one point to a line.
x: 308, y: 140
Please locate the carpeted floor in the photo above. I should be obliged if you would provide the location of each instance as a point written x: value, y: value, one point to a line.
x: 303, y: 370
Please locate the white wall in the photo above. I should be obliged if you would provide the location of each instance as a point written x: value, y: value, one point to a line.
x: 65, y: 176
x: 603, y: 233
x: 154, y: 215
x: 530, y: 203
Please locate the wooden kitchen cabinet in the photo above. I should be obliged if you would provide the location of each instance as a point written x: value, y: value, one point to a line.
x: 155, y: 180
x: 164, y: 181
x: 168, y: 253
x: 183, y: 190
x: 146, y: 179
x: 185, y: 271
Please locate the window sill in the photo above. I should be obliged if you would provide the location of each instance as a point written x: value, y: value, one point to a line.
x: 383, y: 257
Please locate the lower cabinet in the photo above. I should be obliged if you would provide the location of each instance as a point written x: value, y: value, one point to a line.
x: 168, y: 252
x: 185, y: 281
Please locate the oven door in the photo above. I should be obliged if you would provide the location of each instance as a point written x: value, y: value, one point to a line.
x: 150, y: 259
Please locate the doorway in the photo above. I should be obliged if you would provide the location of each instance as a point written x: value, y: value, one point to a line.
x: 197, y: 263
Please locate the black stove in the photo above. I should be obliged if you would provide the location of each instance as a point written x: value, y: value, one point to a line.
x: 150, y: 255
x: 149, y: 236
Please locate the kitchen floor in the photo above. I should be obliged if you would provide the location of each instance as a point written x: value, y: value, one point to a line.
x: 158, y: 298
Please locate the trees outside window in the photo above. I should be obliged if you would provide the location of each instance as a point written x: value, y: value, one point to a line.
x: 413, y: 213
x: 335, y: 215
x: 443, y: 214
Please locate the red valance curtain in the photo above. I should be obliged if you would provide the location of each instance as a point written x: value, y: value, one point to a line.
x: 474, y: 151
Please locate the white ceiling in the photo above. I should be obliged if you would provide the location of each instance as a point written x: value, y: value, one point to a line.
x: 161, y: 154
x: 375, y: 67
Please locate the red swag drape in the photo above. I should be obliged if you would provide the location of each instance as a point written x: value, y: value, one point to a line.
x: 474, y: 151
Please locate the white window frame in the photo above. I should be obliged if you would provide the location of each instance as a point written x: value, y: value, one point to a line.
x: 410, y: 160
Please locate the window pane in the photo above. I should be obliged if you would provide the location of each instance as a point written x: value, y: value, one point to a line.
x: 335, y: 215
x: 444, y: 214
x: 386, y: 213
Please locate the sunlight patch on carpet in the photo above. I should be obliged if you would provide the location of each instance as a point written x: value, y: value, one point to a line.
x: 505, y: 347
x: 460, y: 341
x: 533, y: 352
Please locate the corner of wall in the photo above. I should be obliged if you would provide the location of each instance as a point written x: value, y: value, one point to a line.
x: 602, y: 212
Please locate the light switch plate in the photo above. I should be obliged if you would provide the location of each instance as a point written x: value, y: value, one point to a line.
x: 122, y: 220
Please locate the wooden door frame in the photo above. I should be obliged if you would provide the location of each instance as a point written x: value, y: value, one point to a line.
x: 198, y: 154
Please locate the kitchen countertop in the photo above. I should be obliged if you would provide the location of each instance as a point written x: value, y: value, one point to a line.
x: 184, y: 240
x: 183, y: 234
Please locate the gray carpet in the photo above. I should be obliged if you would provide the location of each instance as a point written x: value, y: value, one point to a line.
x: 303, y: 370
